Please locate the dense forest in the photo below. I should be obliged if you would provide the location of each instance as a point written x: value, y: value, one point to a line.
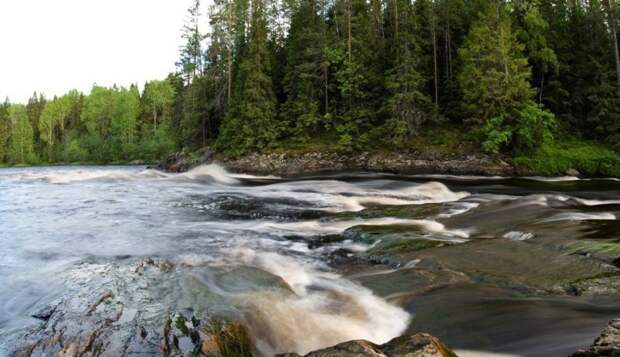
x: 509, y: 76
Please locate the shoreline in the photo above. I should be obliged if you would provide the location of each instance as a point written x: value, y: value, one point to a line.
x: 292, y: 164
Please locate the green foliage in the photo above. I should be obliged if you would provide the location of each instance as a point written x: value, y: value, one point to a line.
x: 22, y: 138
x: 5, y: 129
x: 251, y: 120
x: 555, y: 157
x: 406, y: 105
x: 494, y: 74
x: 445, y: 76
x: 494, y: 80
x: 124, y: 121
x: 158, y: 100
x: 496, y: 135
x: 306, y: 70
x: 528, y: 128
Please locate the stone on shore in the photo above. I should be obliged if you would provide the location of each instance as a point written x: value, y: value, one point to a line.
x: 606, y: 345
x: 418, y: 345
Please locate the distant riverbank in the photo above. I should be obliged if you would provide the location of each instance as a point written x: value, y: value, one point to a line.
x: 571, y: 159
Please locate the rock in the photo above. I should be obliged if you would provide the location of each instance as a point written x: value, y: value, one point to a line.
x: 607, y: 344
x: 418, y: 345
x: 183, y: 161
x: 44, y: 313
x: 573, y: 172
x: 166, y: 266
x: 209, y: 346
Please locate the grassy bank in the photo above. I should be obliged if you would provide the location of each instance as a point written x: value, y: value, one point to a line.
x: 555, y: 158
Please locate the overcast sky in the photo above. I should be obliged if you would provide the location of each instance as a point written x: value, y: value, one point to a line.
x: 56, y: 45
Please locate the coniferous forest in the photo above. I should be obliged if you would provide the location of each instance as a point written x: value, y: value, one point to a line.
x: 529, y: 79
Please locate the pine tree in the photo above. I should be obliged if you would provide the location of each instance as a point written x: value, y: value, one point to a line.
x: 251, y: 119
x: 406, y: 104
x: 191, y: 56
x: 494, y: 81
x: 35, y: 107
x: 305, y: 67
x: 533, y: 34
x: 357, y: 66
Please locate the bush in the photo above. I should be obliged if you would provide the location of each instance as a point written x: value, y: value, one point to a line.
x: 523, y: 130
x: 555, y: 157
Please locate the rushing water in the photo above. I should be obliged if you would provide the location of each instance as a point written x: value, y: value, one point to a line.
x: 246, y: 247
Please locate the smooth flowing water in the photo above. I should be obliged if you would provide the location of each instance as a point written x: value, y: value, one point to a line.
x: 510, y: 276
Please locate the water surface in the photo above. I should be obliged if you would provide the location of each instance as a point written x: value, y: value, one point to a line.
x: 270, y: 251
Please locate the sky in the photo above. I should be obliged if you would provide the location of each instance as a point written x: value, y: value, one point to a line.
x: 52, y: 46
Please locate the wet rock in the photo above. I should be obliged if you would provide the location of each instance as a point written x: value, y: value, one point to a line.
x: 572, y: 172
x: 607, y: 344
x: 166, y: 266
x: 418, y: 345
x: 183, y: 161
x: 290, y: 164
x: 44, y: 313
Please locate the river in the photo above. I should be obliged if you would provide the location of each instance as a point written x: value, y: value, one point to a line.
x: 491, y: 265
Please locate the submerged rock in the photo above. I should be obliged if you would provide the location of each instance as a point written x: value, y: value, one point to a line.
x: 607, y: 344
x: 418, y: 345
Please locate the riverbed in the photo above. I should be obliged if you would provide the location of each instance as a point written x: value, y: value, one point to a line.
x: 491, y: 265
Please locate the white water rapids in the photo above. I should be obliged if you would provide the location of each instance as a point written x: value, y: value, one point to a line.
x: 62, y: 228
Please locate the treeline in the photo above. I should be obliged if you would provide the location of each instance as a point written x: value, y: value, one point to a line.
x: 108, y: 125
x: 361, y: 72
x: 351, y: 72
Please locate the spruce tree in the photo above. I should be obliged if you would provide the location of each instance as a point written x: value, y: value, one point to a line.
x: 251, y: 119
x: 190, y: 62
x: 305, y: 68
x: 494, y: 80
x: 406, y: 104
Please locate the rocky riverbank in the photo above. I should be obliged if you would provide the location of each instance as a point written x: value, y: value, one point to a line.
x: 294, y: 164
x: 607, y: 344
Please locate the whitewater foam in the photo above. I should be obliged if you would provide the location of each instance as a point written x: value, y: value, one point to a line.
x: 580, y: 216
x: 324, y: 310
x: 313, y: 228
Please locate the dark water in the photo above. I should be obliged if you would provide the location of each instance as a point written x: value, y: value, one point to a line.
x: 512, y: 283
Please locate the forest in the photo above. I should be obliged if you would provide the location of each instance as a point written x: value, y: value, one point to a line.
x: 523, y: 78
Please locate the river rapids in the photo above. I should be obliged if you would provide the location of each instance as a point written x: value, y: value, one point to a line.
x: 500, y: 266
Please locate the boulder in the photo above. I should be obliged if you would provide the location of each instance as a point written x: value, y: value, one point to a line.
x: 607, y: 344
x: 418, y: 345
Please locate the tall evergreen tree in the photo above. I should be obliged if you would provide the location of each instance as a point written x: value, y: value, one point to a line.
x: 251, y: 119
x: 305, y: 72
x: 35, y: 107
x: 191, y: 56
x: 406, y: 104
x: 495, y: 86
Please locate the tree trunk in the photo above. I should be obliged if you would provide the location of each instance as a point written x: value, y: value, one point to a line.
x: 434, y: 40
x: 611, y: 19
x: 229, y: 46
x: 542, y: 84
x: 154, y: 121
x: 326, y: 89
x: 349, y: 28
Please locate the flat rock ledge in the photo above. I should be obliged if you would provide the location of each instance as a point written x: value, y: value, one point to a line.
x: 294, y: 164
x: 418, y: 345
x: 606, y: 345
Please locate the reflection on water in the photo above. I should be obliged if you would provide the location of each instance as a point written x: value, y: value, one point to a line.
x: 259, y: 248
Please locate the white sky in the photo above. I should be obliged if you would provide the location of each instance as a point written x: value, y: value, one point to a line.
x: 53, y: 46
